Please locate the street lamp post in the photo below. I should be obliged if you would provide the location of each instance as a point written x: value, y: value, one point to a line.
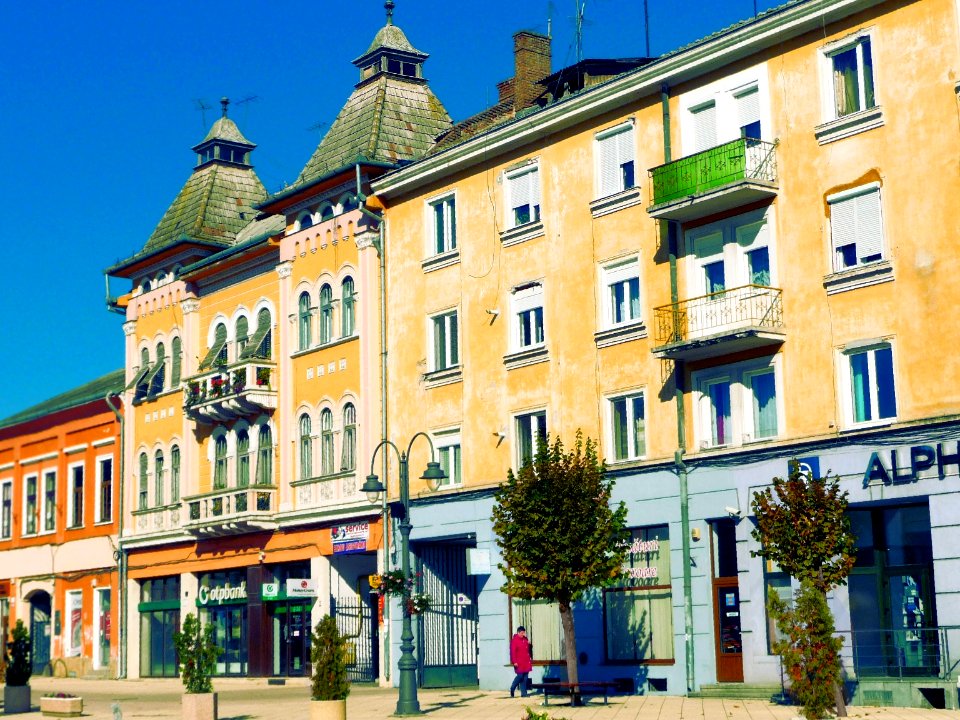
x: 407, y: 703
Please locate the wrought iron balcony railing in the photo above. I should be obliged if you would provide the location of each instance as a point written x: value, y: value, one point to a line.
x: 232, y: 510
x: 246, y: 387
x: 719, y: 323
x: 747, y: 162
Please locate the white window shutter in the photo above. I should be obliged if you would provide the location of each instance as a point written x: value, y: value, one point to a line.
x: 609, y: 167
x: 843, y: 222
x: 533, y: 178
x: 520, y: 190
x: 748, y: 107
x: 624, y: 146
x: 705, y: 127
x: 869, y: 228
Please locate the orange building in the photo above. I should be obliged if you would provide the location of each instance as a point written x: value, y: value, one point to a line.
x: 59, y: 516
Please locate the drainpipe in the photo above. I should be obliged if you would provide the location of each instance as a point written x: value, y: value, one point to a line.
x: 678, y: 381
x: 122, y: 559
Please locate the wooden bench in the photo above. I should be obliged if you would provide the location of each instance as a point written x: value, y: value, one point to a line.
x: 575, y: 691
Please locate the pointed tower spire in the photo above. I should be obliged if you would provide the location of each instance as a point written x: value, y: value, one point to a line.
x: 389, y: 8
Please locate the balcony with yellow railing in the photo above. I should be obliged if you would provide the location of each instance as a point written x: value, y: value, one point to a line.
x: 224, y: 392
x: 721, y: 178
x: 229, y: 511
x: 720, y: 323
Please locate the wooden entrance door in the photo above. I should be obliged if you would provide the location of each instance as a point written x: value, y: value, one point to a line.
x: 726, y: 601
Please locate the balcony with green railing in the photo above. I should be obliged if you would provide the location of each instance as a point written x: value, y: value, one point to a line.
x: 724, y: 177
x: 224, y: 392
x: 720, y: 323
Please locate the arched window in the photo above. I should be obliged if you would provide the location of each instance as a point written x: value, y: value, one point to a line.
x: 349, y: 203
x: 243, y: 458
x: 265, y: 456
x: 306, y: 448
x: 175, y: 474
x: 326, y: 314
x: 157, y: 376
x: 158, y: 478
x: 242, y: 334
x: 220, y: 463
x: 326, y: 213
x: 348, y: 314
x: 142, y: 490
x: 326, y: 442
x: 217, y: 354
x: 306, y: 220
x: 261, y: 344
x: 348, y: 455
x: 176, y: 351
x: 304, y: 316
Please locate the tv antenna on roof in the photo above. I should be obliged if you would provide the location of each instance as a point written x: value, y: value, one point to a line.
x: 202, y: 107
x: 580, y: 8
x: 317, y: 126
x: 248, y: 99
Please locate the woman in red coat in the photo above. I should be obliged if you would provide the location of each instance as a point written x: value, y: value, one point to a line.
x: 521, y: 659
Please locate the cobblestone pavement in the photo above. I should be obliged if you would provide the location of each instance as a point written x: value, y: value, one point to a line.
x: 254, y: 699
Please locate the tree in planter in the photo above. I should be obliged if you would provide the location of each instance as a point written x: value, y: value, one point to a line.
x: 328, y: 656
x: 18, y: 666
x: 558, y: 534
x: 197, y: 653
x: 803, y: 527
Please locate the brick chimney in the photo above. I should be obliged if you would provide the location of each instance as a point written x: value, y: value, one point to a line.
x: 531, y: 57
x: 505, y: 91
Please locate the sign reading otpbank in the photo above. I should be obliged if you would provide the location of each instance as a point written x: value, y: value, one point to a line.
x: 222, y: 594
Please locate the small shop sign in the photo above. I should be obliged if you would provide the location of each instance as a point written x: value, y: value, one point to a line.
x: 350, y: 538
x: 301, y: 587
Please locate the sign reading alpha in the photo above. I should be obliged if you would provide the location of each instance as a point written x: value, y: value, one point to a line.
x: 908, y: 465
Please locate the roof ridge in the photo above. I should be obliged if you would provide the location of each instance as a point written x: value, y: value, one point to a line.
x: 205, y: 201
x: 378, y: 109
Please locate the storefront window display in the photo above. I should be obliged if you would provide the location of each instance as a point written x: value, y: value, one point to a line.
x: 289, y: 603
x: 222, y: 601
x: 159, y: 619
x: 541, y: 618
x: 638, y: 615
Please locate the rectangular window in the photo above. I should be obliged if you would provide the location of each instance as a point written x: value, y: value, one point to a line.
x: 528, y: 330
x: 443, y: 214
x: 6, y: 510
x: 30, y: 506
x: 776, y: 583
x: 73, y: 642
x: 523, y: 196
x: 102, y: 627
x: 872, y: 393
x: 530, y: 427
x: 326, y: 451
x: 615, y: 171
x: 627, y: 427
x: 704, y: 126
x: 448, y: 453
x: 748, y: 113
x: 76, y: 496
x: 49, y: 501
x: 541, y: 618
x: 856, y: 228
x: 763, y: 396
x: 852, y: 68
x: 638, y: 615
x: 446, y: 344
x: 738, y: 403
x: 104, y: 489
x: 720, y: 421
x: 621, y: 288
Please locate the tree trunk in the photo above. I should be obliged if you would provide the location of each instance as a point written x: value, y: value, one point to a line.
x: 569, y: 640
x: 838, y: 699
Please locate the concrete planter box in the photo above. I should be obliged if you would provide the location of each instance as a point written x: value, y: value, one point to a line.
x: 328, y: 710
x: 199, y: 706
x: 16, y: 699
x: 61, y: 706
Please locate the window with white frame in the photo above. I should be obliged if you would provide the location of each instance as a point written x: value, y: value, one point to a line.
x: 728, y: 109
x: 326, y: 314
x: 75, y: 496
x: 265, y: 455
x: 49, y: 501
x: 443, y: 221
x: 104, y: 489
x: 731, y: 253
x: 175, y: 474
x: 243, y: 458
x: 869, y: 377
x: 851, y: 75
x: 446, y: 345
x: 306, y: 447
x: 348, y: 308
x: 738, y: 403
x: 304, y: 321
x: 73, y: 642
x: 523, y: 196
x: 348, y: 452
x: 219, y: 465
x: 30, y: 505
x: 6, y: 509
x: 447, y: 445
x: 326, y: 441
x: 527, y: 330
x: 528, y: 431
x: 615, y: 160
x: 704, y: 119
x: 621, y: 293
x: 158, y: 478
x: 627, y: 426
x: 541, y: 618
x: 856, y: 227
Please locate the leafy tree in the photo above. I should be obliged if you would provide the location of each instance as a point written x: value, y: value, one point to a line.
x: 803, y: 527
x: 557, y: 531
x: 328, y: 655
x: 197, y: 653
x: 19, y: 666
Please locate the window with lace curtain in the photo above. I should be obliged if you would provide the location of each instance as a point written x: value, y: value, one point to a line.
x: 852, y: 67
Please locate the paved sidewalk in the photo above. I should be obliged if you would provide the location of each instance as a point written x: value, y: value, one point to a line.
x: 253, y: 699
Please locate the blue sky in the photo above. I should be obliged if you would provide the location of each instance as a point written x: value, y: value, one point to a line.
x: 99, y: 109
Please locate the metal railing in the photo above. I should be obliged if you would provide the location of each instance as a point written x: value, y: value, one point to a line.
x: 901, y: 653
x: 741, y: 159
x: 745, y: 306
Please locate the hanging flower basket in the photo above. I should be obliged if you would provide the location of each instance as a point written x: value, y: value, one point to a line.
x: 418, y: 603
x: 393, y: 583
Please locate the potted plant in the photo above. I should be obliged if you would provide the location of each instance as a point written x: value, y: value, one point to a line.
x: 61, y: 705
x: 197, y: 654
x: 16, y: 691
x: 329, y: 685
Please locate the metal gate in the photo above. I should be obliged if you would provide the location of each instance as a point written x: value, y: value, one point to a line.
x: 447, y: 632
x: 355, y: 621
